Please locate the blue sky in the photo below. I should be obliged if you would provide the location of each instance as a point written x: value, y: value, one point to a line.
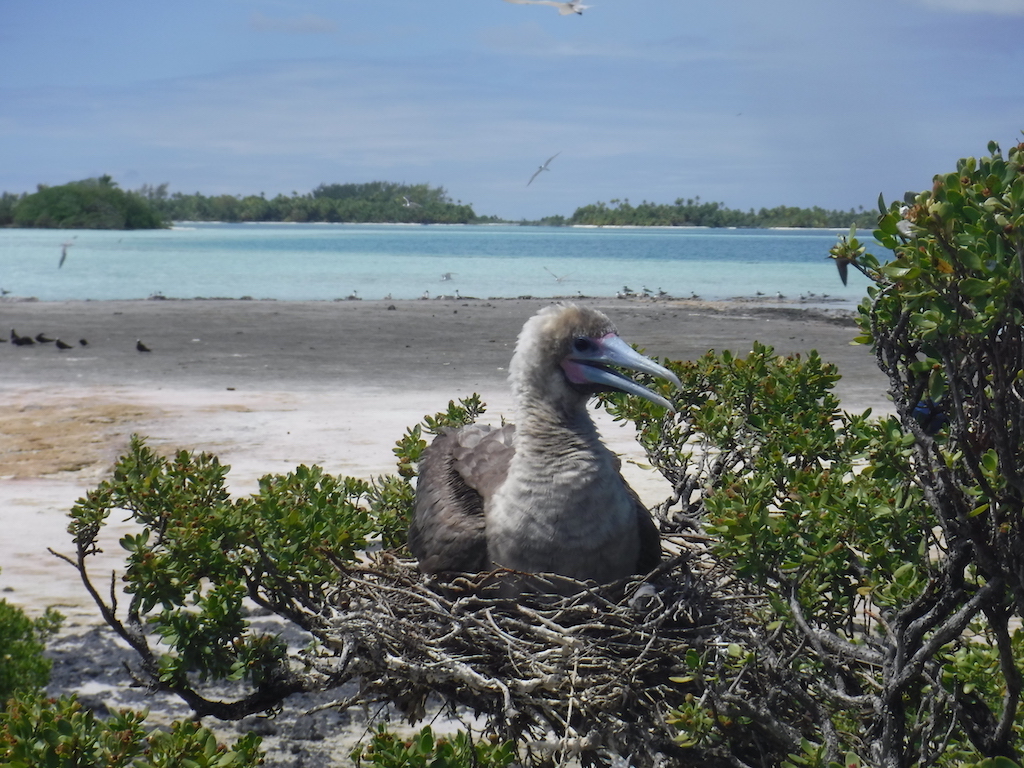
x: 748, y: 102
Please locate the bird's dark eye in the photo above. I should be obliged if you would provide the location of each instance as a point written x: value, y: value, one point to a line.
x: 582, y: 344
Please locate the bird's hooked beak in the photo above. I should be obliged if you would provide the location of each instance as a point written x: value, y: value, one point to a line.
x: 589, y: 361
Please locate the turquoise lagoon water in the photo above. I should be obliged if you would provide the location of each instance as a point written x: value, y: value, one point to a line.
x: 336, y: 261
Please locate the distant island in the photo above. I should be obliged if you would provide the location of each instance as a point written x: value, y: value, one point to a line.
x: 694, y: 213
x: 377, y: 202
x: 100, y: 204
x: 88, y: 204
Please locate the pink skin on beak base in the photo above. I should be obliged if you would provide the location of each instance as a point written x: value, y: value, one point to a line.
x: 589, y: 367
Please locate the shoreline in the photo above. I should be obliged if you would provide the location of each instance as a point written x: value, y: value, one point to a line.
x: 828, y: 305
x: 259, y: 341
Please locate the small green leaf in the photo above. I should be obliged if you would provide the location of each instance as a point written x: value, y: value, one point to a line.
x: 887, y: 224
x: 899, y: 270
x: 974, y: 287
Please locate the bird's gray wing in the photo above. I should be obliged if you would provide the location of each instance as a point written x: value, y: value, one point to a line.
x: 457, y: 473
x: 650, y: 537
x: 483, y: 455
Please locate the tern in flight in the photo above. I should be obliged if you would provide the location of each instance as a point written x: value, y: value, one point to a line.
x: 558, y: 278
x: 565, y: 9
x: 543, y: 167
x: 64, y: 252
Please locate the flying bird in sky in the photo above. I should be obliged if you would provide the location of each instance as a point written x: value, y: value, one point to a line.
x: 543, y: 167
x: 573, y: 6
x: 543, y: 495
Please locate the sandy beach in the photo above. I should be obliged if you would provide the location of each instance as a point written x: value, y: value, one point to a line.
x: 270, y: 385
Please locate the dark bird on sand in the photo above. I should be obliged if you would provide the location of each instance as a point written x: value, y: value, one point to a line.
x: 62, y: 345
x: 545, y: 495
x: 83, y: 343
x: 42, y: 338
x: 141, y: 347
x: 21, y: 341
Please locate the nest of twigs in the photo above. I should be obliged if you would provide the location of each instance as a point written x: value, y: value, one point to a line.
x: 591, y: 674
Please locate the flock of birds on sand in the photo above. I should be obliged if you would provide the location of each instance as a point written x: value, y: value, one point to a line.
x: 42, y: 339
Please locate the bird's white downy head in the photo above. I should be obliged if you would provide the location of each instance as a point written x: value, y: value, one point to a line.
x: 566, y: 353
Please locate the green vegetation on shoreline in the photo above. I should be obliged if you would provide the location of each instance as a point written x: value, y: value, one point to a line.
x: 99, y: 204
x: 374, y: 202
x: 87, y: 204
x: 694, y: 213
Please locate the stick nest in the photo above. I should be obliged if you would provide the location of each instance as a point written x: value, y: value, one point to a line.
x: 593, y: 673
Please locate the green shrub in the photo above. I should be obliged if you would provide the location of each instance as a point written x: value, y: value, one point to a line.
x: 87, y: 204
x: 59, y: 733
x: 425, y: 750
x: 890, y: 552
x: 23, y: 668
